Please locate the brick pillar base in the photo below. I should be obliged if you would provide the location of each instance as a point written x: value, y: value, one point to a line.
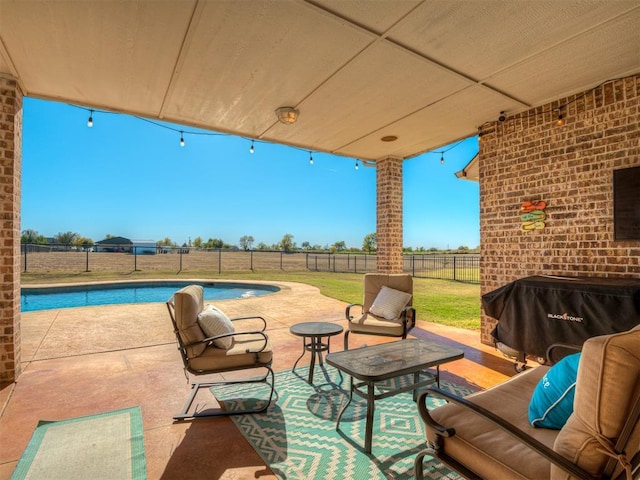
x: 389, y: 215
x: 10, y: 167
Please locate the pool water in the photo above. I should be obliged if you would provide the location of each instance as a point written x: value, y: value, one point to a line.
x: 33, y: 299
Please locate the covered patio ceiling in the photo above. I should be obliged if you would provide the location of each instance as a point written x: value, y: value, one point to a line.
x: 428, y: 72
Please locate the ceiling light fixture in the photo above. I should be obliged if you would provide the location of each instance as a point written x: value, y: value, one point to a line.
x: 287, y: 115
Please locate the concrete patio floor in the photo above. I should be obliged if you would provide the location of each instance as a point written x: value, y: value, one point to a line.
x: 83, y: 361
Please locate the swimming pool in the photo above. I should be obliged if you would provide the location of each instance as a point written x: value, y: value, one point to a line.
x: 48, y: 298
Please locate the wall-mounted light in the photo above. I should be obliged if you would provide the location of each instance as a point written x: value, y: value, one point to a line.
x: 287, y: 115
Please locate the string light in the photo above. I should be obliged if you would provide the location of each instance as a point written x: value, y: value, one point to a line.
x: 441, y: 158
x: 366, y: 163
x: 561, y: 121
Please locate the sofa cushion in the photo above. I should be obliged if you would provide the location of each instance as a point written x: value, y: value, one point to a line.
x: 213, y: 323
x: 552, y: 399
x: 389, y: 303
x: 484, y: 447
x: 608, y: 384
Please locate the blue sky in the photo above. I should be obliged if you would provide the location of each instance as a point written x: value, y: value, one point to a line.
x: 128, y: 177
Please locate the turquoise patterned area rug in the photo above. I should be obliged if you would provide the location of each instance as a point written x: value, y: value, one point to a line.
x: 106, y: 446
x: 297, y: 435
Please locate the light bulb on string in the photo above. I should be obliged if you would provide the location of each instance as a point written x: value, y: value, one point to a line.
x: 441, y: 158
x: 90, y: 120
x: 357, y: 165
x: 310, y: 158
x: 251, y: 149
x: 182, y: 139
x: 560, y: 121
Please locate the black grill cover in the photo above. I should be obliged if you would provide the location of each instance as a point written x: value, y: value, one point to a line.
x: 535, y: 312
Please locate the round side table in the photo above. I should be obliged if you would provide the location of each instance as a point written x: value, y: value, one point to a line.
x: 312, y: 334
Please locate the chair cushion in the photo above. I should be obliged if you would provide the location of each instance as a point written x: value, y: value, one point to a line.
x: 608, y: 384
x: 214, y: 322
x: 552, y: 400
x: 373, y: 282
x: 188, y: 304
x: 218, y: 359
x: 377, y: 326
x: 389, y: 303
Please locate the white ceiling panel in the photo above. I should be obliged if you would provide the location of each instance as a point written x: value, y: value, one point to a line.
x: 428, y: 71
x: 431, y: 125
x: 226, y: 80
x: 481, y: 38
x: 570, y: 67
x: 106, y: 52
x: 382, y: 85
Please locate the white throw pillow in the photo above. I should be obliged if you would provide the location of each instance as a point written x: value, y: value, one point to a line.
x: 389, y: 303
x: 214, y: 322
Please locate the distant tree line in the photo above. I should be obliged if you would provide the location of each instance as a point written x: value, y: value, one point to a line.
x: 246, y: 242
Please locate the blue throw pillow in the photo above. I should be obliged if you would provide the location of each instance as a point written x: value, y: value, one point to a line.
x: 552, y: 400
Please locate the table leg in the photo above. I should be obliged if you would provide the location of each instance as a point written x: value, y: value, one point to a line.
x: 304, y: 349
x: 346, y: 404
x: 370, y: 413
x: 314, y: 348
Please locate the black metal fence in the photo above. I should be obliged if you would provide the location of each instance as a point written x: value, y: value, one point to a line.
x: 128, y: 258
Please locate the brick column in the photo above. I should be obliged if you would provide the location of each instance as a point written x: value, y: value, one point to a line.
x: 389, y: 215
x: 10, y: 170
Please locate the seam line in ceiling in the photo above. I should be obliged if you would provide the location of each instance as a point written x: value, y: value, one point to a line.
x: 196, y: 15
x: 559, y: 44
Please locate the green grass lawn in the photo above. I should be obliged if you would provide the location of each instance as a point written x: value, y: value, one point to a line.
x: 440, y: 301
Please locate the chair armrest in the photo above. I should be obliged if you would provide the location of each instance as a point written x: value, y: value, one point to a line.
x: 251, y: 317
x: 518, y: 434
x: 348, y: 310
x: 557, y: 351
x: 265, y: 337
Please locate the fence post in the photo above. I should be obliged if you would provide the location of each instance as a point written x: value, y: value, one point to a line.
x: 281, y: 259
x: 306, y: 260
x: 86, y: 268
x: 26, y: 247
x: 413, y: 265
x: 454, y: 268
x: 329, y: 265
x: 251, y: 260
x: 180, y: 260
x: 219, y: 260
x: 135, y: 259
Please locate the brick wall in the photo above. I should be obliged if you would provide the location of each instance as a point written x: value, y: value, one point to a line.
x: 529, y: 157
x: 389, y: 215
x: 10, y: 174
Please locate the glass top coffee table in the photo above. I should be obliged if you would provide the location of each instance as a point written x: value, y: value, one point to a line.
x: 387, y: 361
x: 312, y: 334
